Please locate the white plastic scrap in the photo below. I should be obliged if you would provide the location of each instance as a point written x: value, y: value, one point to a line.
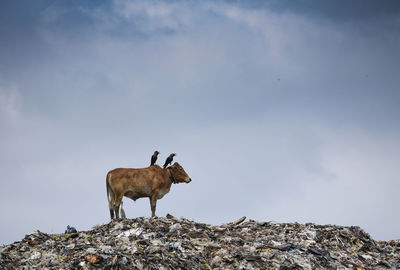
x: 175, y: 227
x: 35, y: 255
x: 130, y: 232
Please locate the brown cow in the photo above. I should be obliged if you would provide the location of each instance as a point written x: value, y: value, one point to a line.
x: 153, y: 182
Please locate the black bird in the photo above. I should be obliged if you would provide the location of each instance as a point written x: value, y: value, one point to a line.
x: 154, y: 158
x: 169, y: 159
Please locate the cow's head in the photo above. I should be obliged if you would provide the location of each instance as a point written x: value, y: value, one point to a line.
x: 178, y: 173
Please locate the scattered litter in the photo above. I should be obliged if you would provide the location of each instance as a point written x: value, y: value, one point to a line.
x: 175, y: 227
x: 93, y: 259
x: 70, y: 230
x: 178, y: 243
x: 35, y: 255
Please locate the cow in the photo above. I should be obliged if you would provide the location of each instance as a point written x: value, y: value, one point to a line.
x: 152, y: 182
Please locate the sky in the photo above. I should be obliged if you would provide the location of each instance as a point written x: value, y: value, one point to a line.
x: 283, y: 111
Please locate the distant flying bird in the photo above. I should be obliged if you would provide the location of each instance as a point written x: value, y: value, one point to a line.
x: 154, y: 158
x: 169, y: 159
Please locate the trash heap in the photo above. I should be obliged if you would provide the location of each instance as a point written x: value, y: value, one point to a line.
x: 178, y: 243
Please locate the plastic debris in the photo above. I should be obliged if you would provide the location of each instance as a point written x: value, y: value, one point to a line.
x: 92, y: 258
x: 178, y: 243
x: 70, y: 230
x: 35, y: 255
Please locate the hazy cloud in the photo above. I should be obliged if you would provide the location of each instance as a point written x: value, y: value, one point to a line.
x: 277, y: 111
x: 9, y: 104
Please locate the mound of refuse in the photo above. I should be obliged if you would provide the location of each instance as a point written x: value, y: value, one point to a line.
x: 178, y: 243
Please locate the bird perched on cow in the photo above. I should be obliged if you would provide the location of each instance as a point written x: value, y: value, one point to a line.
x: 169, y: 159
x: 154, y: 158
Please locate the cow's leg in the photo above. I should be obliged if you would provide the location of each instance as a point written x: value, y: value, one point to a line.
x: 112, y: 213
x: 153, y: 202
x: 118, y: 202
x: 122, y: 211
x: 116, y: 210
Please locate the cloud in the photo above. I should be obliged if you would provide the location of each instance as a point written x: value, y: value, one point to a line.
x: 10, y: 104
x: 274, y: 114
x: 151, y: 16
x: 338, y: 11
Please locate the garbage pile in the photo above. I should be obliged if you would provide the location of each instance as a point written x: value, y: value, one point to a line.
x: 178, y: 243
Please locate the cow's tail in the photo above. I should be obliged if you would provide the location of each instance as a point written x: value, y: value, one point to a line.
x: 111, y: 197
x: 110, y: 192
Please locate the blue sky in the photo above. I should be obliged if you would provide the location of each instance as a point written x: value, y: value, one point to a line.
x: 278, y: 110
